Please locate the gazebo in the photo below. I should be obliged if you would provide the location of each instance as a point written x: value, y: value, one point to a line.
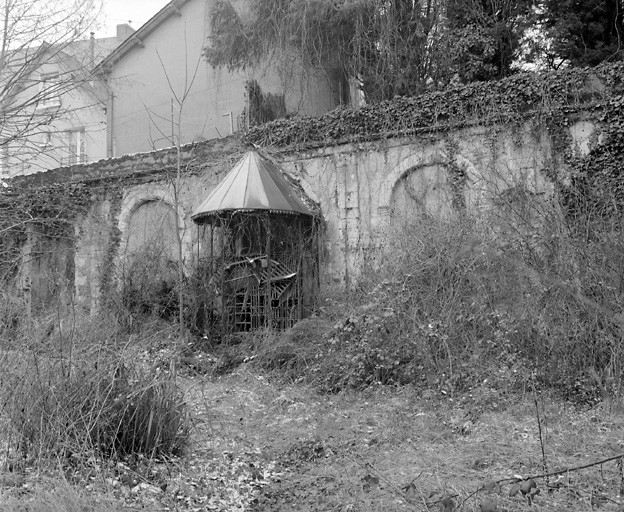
x: 257, y: 251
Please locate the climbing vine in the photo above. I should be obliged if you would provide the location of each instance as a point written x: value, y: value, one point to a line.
x: 48, y: 211
x: 457, y: 175
x: 596, y: 180
x: 108, y: 263
x: 525, y: 96
x: 550, y: 102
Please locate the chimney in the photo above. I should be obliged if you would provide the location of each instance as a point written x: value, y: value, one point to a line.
x: 123, y: 32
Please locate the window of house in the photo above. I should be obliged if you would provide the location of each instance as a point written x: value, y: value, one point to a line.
x: 49, y: 93
x: 75, y: 147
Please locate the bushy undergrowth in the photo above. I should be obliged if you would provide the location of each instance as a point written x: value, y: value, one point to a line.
x: 78, y: 392
x: 148, y: 286
x: 459, y: 305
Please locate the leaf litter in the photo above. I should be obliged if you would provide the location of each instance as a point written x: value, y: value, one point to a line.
x: 260, y: 445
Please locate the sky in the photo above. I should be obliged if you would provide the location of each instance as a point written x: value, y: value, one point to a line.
x: 123, y: 11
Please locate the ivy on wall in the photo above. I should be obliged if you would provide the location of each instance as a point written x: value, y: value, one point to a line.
x: 522, y: 96
x: 49, y: 211
x: 596, y: 181
x: 457, y: 175
x: 48, y: 205
x: 552, y: 100
x: 114, y: 240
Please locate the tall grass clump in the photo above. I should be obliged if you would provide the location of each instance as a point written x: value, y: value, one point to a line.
x: 80, y: 391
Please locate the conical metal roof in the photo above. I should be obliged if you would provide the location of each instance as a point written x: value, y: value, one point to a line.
x: 255, y: 183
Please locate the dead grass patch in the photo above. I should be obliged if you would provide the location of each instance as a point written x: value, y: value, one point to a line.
x: 54, y: 495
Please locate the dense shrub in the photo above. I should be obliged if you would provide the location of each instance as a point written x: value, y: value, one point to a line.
x: 148, y: 284
x: 12, y: 314
x: 475, y: 301
x: 458, y: 305
x: 293, y: 352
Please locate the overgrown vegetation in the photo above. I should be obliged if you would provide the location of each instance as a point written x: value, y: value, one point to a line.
x: 148, y: 285
x: 522, y: 298
x: 391, y: 47
x: 539, y: 288
x: 404, y: 47
x: 48, y: 211
x: 71, y: 392
x: 527, y: 294
x: 581, y: 33
x: 547, y: 99
x: 463, y: 307
x: 448, y: 304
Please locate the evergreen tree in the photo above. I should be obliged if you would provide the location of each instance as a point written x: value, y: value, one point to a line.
x: 485, y: 36
x: 584, y: 32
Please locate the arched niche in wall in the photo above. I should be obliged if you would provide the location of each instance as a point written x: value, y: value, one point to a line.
x: 421, y: 190
x: 152, y: 225
x: 420, y: 185
x: 148, y: 271
x: 148, y: 214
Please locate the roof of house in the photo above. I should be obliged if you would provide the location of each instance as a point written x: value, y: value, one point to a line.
x: 137, y: 38
x: 93, y: 50
x: 255, y: 183
x: 23, y: 64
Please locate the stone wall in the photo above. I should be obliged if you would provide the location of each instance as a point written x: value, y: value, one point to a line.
x: 364, y: 190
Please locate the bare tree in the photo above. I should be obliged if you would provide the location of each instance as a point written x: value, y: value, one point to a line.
x: 45, y: 56
x: 171, y: 130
